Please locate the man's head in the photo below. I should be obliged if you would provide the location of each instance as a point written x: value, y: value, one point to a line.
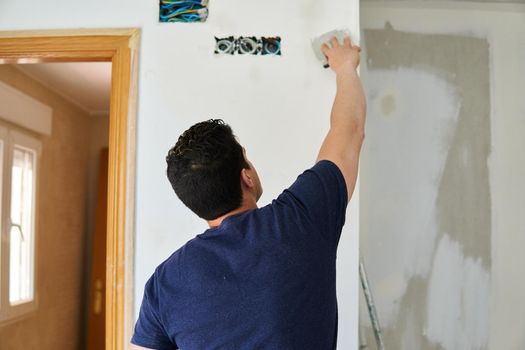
x: 208, y: 170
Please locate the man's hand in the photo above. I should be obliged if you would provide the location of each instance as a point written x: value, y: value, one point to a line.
x: 342, y: 144
x: 342, y: 57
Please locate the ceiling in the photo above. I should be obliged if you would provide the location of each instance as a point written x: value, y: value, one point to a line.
x: 85, y: 84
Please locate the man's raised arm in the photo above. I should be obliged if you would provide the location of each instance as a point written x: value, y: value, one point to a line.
x: 342, y: 144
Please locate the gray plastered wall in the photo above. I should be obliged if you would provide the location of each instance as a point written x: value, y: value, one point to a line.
x: 483, y: 1
x: 431, y: 276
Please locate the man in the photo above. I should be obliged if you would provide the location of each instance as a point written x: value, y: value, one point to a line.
x: 258, y: 278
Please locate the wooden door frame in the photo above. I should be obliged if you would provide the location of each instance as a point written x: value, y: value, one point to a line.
x: 118, y: 46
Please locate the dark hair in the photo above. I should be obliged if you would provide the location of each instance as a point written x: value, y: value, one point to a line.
x: 204, y: 169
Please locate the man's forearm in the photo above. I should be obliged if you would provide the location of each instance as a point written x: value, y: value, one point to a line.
x: 349, y: 108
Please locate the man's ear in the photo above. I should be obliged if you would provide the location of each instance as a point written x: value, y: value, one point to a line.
x: 246, y: 178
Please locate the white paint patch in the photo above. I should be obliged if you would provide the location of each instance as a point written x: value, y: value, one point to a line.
x: 410, y: 339
x: 411, y: 143
x: 458, y: 299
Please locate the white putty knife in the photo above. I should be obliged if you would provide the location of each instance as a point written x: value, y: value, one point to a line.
x: 340, y: 34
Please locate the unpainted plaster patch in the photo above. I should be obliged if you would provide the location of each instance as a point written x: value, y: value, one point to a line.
x: 457, y: 186
x: 388, y: 104
x: 408, y: 332
x: 486, y: 1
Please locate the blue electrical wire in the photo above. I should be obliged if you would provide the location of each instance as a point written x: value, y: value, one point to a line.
x: 182, y: 11
x: 174, y: 4
x: 173, y: 13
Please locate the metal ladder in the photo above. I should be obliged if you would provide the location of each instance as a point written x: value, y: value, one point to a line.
x: 371, y: 310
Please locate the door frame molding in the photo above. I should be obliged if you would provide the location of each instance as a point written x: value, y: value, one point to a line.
x: 120, y: 47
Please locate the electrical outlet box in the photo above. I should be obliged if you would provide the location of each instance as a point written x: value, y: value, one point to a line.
x: 226, y: 45
x: 271, y: 46
x: 248, y: 45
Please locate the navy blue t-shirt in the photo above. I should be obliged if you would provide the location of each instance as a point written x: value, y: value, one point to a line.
x: 264, y: 279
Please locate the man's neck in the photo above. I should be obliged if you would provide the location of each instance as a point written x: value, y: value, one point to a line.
x: 244, y: 207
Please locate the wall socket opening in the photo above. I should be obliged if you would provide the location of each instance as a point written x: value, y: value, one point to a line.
x: 248, y: 45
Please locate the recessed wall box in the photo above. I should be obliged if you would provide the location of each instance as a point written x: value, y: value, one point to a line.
x: 183, y: 11
x: 225, y: 45
x: 271, y: 46
x: 248, y: 45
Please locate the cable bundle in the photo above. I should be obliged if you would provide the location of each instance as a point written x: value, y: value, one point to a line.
x: 183, y: 11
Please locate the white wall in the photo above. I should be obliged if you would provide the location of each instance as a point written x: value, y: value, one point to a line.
x: 278, y: 106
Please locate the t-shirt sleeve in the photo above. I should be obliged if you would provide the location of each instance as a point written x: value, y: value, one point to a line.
x: 149, y: 331
x: 320, y: 193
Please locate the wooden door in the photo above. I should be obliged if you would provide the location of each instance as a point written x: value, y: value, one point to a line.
x: 97, y: 310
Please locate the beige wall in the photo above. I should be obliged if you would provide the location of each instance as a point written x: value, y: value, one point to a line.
x: 57, y: 323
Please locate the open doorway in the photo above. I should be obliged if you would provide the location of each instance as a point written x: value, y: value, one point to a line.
x: 64, y: 230
x: 117, y: 48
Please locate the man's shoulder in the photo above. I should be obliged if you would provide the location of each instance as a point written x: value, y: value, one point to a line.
x: 174, y: 260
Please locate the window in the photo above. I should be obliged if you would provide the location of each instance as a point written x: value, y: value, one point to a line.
x: 19, y: 154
